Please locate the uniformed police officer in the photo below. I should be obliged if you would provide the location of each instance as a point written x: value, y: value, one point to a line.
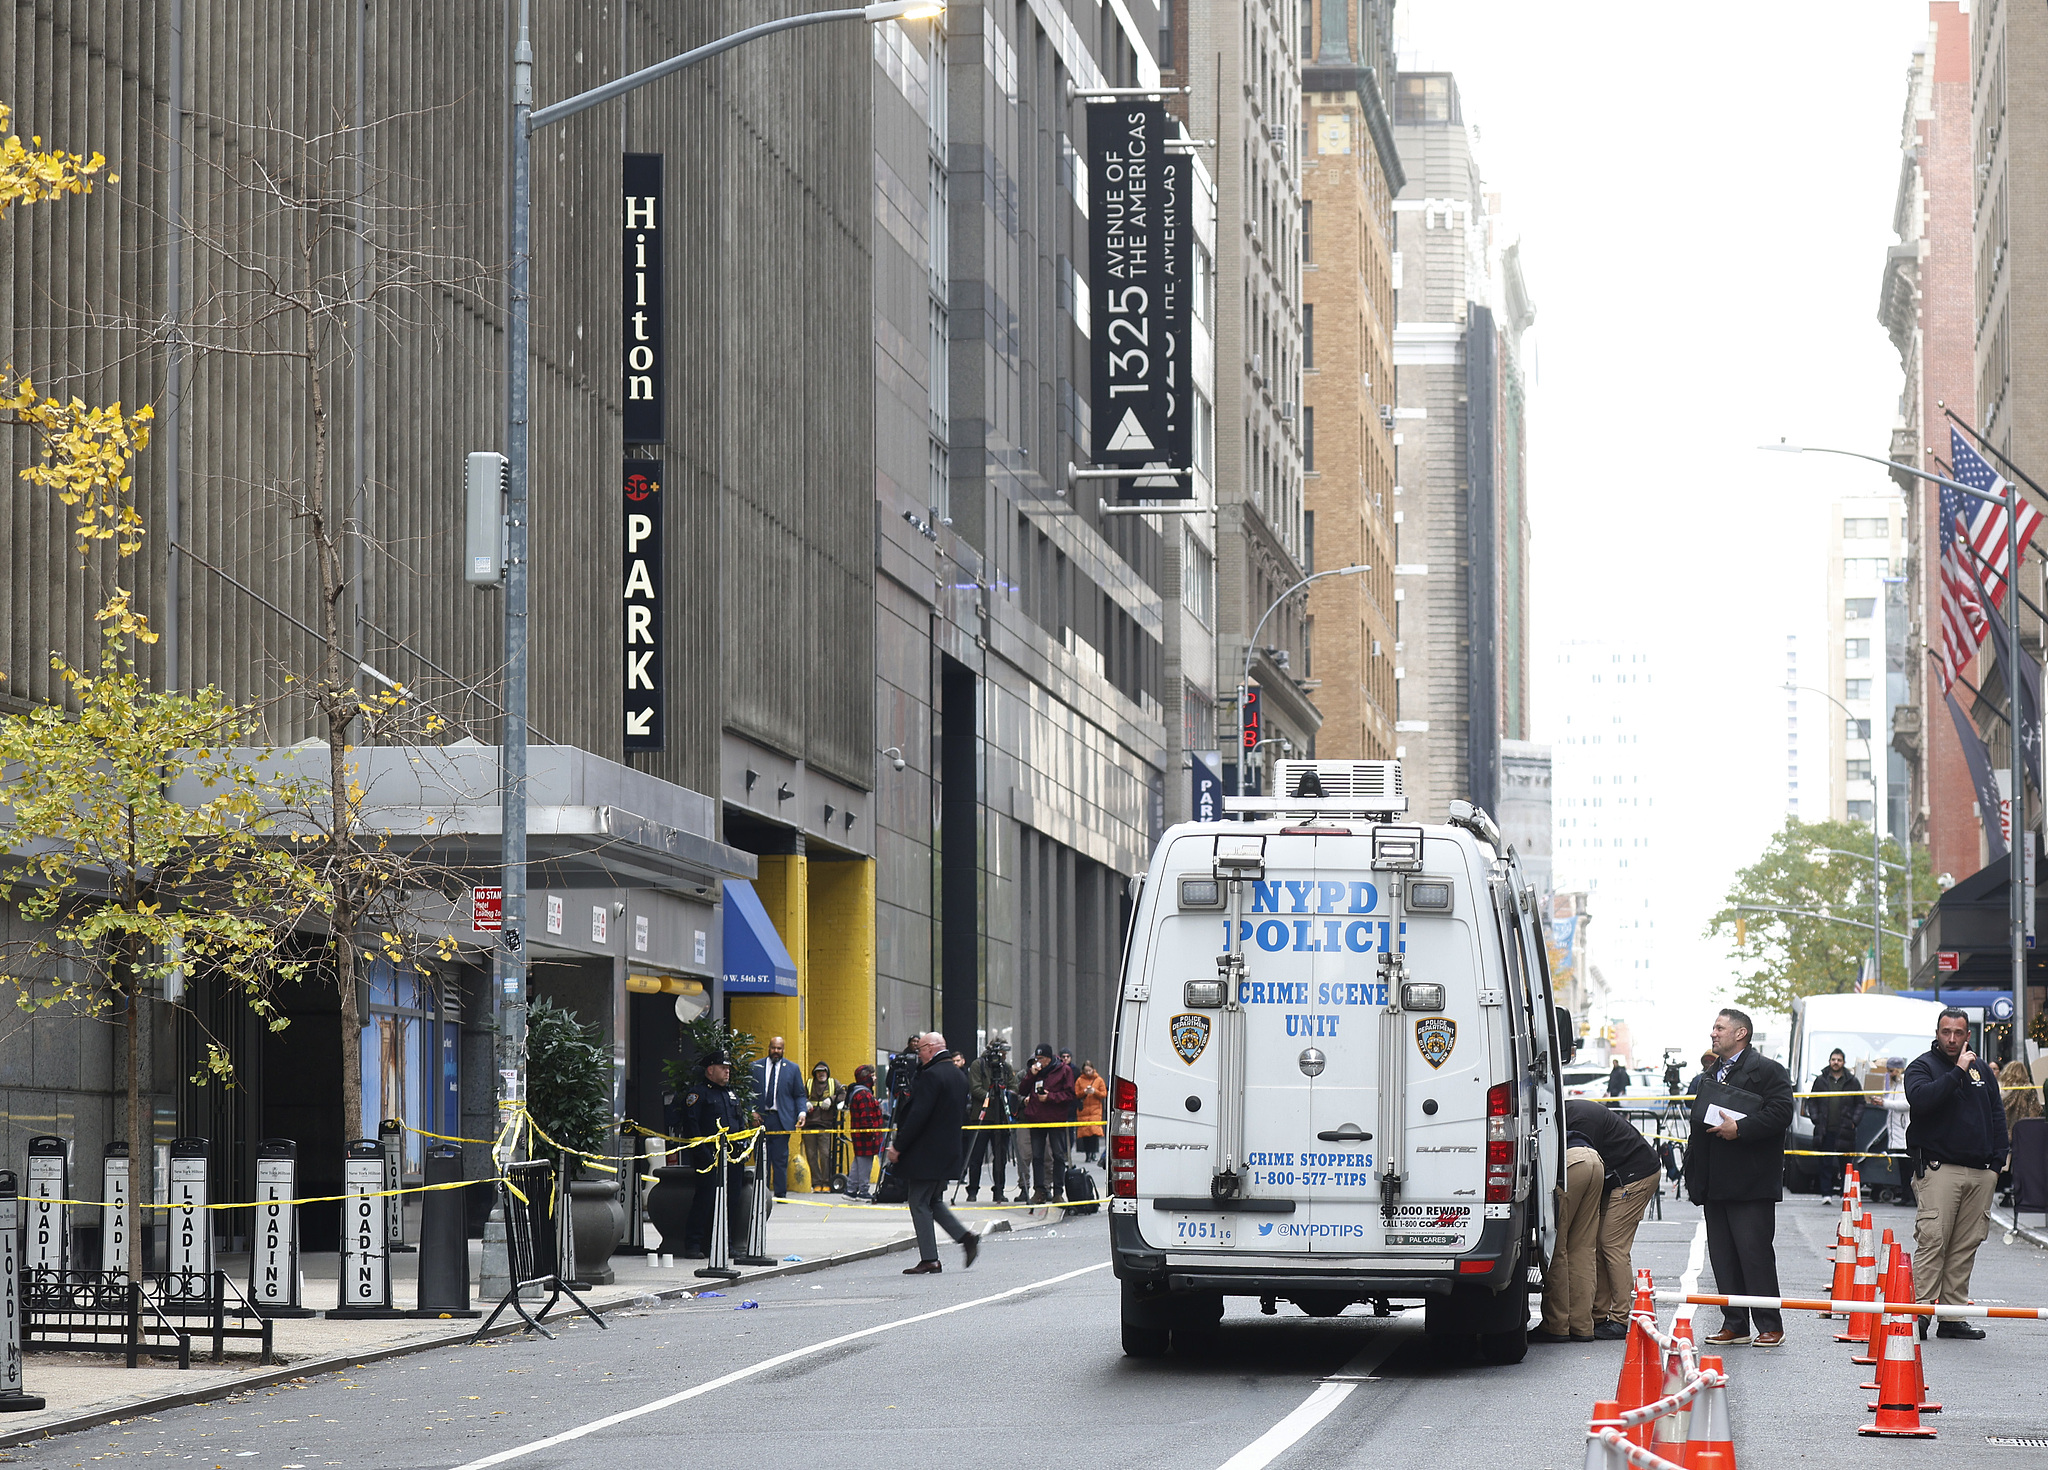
x: 706, y: 1107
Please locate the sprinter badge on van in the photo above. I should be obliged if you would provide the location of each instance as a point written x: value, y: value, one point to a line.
x: 1190, y: 1036
x: 1435, y: 1038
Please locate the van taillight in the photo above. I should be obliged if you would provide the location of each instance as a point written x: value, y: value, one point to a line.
x: 1500, y: 1146
x: 1123, y: 1138
x: 1500, y: 1100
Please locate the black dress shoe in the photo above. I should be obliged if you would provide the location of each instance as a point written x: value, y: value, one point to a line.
x: 970, y: 1247
x: 1611, y: 1331
x: 1959, y: 1328
x: 924, y: 1268
x: 1923, y: 1328
x: 1539, y: 1335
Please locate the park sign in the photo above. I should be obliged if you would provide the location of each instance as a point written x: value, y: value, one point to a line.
x: 1140, y: 214
x: 640, y: 501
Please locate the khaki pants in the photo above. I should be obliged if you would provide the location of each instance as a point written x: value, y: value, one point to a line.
x: 1954, y: 1218
x: 1621, y: 1210
x: 1574, y: 1263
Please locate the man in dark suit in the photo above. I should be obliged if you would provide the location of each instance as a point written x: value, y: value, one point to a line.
x: 926, y: 1151
x: 1734, y: 1170
x: 780, y: 1104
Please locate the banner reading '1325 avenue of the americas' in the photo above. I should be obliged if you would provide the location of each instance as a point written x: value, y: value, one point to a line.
x: 1139, y: 283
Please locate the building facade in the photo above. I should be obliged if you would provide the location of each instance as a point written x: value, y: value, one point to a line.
x: 913, y: 684
x: 1928, y: 306
x: 1866, y: 580
x: 1350, y: 174
x: 1604, y: 756
x: 1239, y: 64
x: 1461, y: 573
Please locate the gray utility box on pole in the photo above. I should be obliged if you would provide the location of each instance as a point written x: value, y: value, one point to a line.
x: 483, y: 540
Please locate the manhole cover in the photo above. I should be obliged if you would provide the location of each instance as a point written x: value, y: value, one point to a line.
x: 2018, y: 1441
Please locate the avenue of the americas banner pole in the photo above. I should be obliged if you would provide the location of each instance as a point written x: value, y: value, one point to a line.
x: 1139, y: 284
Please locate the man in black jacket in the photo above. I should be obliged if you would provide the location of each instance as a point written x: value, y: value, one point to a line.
x: 1834, y: 1118
x: 1957, y: 1131
x: 926, y: 1151
x: 1734, y: 1170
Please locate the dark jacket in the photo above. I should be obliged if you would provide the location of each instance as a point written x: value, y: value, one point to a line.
x: 705, y: 1108
x: 1751, y: 1166
x: 1617, y: 1081
x: 1958, y: 1117
x: 1049, y: 1097
x: 1835, y: 1114
x: 928, y: 1125
x: 1626, y: 1153
x: 988, y: 1091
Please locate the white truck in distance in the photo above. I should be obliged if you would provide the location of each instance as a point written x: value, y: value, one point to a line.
x: 1336, y: 1069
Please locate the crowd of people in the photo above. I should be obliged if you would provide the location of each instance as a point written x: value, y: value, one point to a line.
x: 1037, y: 1116
x: 1949, y: 1116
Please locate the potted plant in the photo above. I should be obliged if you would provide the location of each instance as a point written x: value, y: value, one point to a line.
x: 569, y: 1096
x: 675, y: 1186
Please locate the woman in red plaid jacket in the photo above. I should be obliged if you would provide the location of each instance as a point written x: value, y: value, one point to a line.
x: 864, y: 1114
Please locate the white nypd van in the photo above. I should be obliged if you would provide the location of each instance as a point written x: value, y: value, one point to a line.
x: 1336, y: 1069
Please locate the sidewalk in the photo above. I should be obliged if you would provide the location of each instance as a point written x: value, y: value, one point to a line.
x: 81, y: 1389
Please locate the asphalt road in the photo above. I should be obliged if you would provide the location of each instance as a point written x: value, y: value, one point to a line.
x: 1021, y: 1368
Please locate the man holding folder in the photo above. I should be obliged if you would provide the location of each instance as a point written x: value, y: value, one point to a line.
x: 1734, y: 1169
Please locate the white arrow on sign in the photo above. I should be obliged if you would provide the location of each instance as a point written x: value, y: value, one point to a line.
x: 640, y: 723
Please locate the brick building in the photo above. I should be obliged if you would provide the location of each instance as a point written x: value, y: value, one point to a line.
x: 1350, y: 174
x: 1928, y: 305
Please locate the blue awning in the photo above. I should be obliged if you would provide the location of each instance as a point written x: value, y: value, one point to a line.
x: 756, y: 961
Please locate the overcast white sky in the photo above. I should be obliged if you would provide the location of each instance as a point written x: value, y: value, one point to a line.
x: 1704, y: 196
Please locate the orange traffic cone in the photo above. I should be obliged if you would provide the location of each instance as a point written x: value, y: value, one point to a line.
x: 1899, y: 1288
x: 1886, y: 1249
x: 1600, y: 1455
x: 1712, y: 1446
x: 1641, y: 1371
x: 1845, y: 1243
x: 1668, y: 1434
x: 1863, y: 1286
x: 1898, y: 1397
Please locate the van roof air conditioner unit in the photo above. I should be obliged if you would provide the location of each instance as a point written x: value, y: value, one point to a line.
x: 1330, y: 788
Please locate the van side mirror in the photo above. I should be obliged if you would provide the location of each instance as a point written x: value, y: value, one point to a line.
x: 1567, y: 1035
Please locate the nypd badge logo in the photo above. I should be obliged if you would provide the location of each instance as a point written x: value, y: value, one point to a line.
x: 1190, y: 1036
x: 1435, y: 1036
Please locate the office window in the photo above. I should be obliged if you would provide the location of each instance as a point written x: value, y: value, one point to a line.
x: 1876, y: 526
x: 1856, y: 648
x: 1859, y: 811
x: 1858, y: 771
x: 1308, y: 337
x: 1166, y: 35
x: 1308, y: 229
x: 1854, y: 608
x: 1308, y: 440
x: 1856, y: 729
x: 1865, y: 568
x: 1856, y: 689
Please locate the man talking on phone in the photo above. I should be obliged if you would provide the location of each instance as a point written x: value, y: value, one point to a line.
x: 1957, y: 1133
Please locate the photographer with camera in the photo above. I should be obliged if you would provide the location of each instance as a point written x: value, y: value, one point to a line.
x: 1047, y: 1088
x: 991, y: 1106
x: 896, y: 1081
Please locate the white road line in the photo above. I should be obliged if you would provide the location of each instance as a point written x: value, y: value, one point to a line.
x: 763, y: 1366
x: 1317, y: 1407
x: 1695, y: 1258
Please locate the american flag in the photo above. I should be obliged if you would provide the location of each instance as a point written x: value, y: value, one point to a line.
x: 1973, y: 549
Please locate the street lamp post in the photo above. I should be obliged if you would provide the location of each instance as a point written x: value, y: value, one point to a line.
x: 508, y: 994
x: 1905, y: 939
x: 1876, y: 861
x: 2017, y: 915
x: 1251, y: 646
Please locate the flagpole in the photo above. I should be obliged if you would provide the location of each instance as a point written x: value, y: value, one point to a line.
x: 2022, y: 843
x: 2016, y: 913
